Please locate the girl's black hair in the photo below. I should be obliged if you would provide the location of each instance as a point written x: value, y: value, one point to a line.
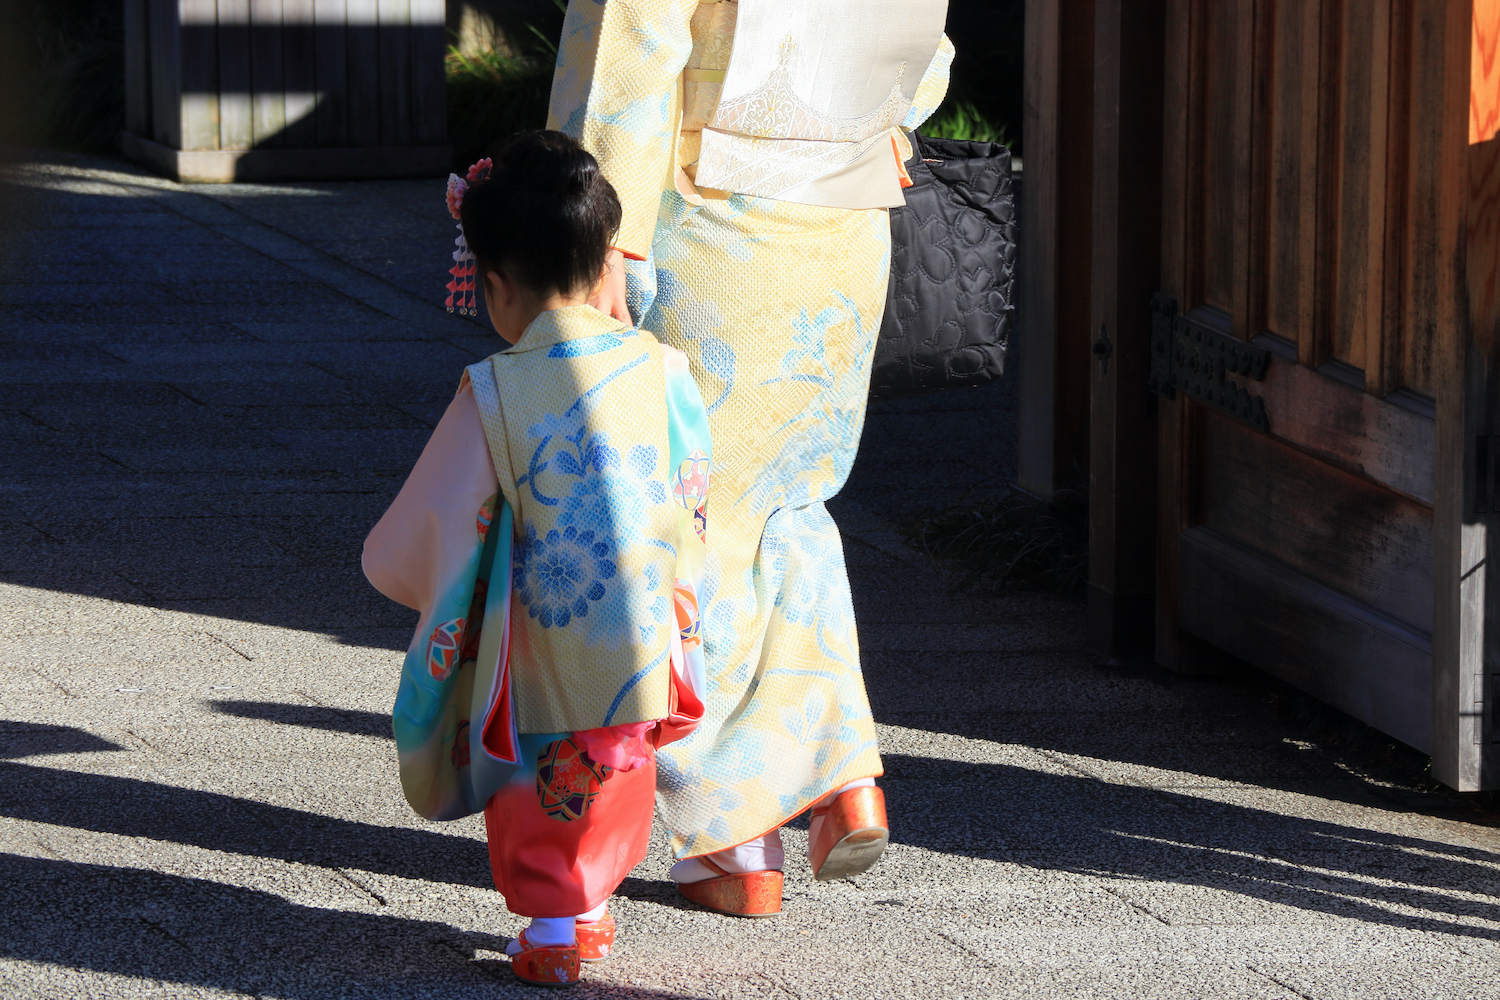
x: 546, y: 215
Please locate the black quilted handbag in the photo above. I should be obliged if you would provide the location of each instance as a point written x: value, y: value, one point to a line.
x: 953, y: 263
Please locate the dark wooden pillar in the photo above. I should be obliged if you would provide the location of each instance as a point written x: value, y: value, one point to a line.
x: 1056, y: 208
x: 1126, y: 246
x: 1457, y: 187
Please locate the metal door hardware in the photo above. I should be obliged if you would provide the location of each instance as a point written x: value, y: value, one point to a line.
x: 1193, y: 358
x: 1103, y: 349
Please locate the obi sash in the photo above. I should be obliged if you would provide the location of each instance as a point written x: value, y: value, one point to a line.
x: 810, y: 106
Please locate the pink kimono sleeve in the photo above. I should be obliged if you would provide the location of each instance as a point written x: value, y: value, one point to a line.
x: 428, y: 532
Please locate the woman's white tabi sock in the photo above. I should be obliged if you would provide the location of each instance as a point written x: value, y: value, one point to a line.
x: 548, y: 932
x: 593, y: 914
x: 758, y: 855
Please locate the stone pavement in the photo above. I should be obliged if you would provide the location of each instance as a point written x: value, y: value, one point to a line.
x: 206, y: 398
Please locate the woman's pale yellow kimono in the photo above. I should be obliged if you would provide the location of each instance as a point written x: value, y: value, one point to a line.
x: 760, y: 222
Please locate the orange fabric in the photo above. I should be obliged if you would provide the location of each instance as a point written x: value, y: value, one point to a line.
x: 684, y: 712
x: 1484, y: 72
x: 547, y: 867
x: 900, y: 164
x: 496, y: 735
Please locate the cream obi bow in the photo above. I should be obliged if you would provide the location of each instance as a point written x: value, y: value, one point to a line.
x: 813, y: 97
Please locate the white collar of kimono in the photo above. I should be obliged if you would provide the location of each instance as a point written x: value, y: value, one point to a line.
x: 569, y: 323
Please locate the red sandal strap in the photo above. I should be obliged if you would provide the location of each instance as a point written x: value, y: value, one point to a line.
x: 706, y: 862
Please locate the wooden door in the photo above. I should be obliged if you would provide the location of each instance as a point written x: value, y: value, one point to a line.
x: 1053, y: 341
x: 1308, y: 357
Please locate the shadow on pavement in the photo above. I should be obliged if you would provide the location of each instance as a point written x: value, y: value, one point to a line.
x: 339, y: 720
x: 131, y: 807
x: 1076, y: 824
x: 29, y: 739
x: 658, y: 891
x: 165, y: 927
x: 990, y: 811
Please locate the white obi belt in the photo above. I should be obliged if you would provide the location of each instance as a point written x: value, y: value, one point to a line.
x: 810, y: 107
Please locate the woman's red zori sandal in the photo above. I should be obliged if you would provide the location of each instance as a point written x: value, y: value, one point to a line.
x: 553, y: 965
x: 739, y: 894
x: 852, y: 836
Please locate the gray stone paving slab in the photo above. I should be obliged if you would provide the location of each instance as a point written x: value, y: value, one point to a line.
x: 198, y: 423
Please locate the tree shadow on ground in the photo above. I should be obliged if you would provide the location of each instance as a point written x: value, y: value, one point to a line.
x: 1043, y: 820
x: 131, y: 807
x: 30, y: 739
x: 148, y: 925
x: 340, y: 720
x: 990, y: 811
x: 1206, y: 730
x: 1071, y: 823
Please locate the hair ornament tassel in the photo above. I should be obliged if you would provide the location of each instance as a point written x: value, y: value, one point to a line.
x: 461, y: 285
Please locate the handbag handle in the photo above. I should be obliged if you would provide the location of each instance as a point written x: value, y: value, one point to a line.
x: 919, y: 143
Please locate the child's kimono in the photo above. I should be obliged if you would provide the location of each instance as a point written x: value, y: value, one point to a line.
x: 552, y: 535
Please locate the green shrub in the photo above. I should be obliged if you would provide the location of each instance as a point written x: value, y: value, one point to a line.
x: 76, y: 77
x: 990, y: 38
x: 492, y: 95
x: 962, y: 119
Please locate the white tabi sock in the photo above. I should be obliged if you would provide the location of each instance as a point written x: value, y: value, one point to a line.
x: 546, y: 932
x: 593, y: 914
x: 758, y: 855
x: 549, y: 931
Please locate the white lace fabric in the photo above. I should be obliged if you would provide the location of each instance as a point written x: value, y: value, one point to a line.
x: 805, y: 102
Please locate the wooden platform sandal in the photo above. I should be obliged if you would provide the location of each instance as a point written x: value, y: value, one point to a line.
x: 553, y: 965
x: 852, y: 835
x: 596, y: 938
x: 739, y: 894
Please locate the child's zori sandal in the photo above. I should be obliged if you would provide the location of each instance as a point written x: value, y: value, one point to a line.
x: 547, y: 965
x: 596, y: 938
x: 848, y: 835
x: 739, y: 894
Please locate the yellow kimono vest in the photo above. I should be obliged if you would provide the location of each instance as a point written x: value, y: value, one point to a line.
x: 579, y: 418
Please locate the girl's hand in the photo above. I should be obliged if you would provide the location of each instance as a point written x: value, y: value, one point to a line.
x: 609, y: 297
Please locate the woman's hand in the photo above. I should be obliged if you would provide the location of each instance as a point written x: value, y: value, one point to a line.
x: 609, y: 297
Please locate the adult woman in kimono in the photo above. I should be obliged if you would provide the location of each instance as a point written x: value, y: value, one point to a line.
x: 756, y: 146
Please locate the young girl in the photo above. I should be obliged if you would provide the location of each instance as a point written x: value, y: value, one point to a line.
x: 552, y: 536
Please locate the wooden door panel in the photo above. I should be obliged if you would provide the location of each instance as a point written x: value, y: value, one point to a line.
x: 1341, y: 530
x: 1308, y: 210
x: 1291, y: 232
x: 1429, y: 284
x: 1223, y: 57
x: 1391, y: 441
x: 1370, y: 665
x: 1356, y: 240
x: 1319, y: 196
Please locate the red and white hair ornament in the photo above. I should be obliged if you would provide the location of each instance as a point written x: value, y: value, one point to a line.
x: 461, y: 285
